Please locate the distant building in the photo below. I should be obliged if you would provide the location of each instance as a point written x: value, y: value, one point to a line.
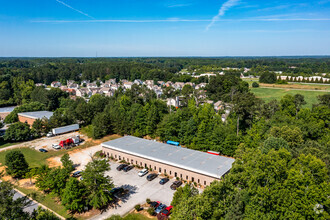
x: 91, y: 85
x: 4, y: 112
x: 31, y: 117
x: 40, y: 85
x: 56, y: 84
x: 138, y: 82
x: 127, y: 85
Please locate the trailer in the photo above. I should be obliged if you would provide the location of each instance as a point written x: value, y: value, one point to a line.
x: 62, y: 130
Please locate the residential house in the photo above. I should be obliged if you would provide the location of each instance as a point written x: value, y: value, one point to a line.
x: 110, y: 81
x: 160, y: 83
x: 85, y: 82
x: 106, y: 91
x: 91, y: 85
x: 138, y: 82
x: 73, y: 86
x: 127, y: 85
x: 178, y: 85
x: 40, y: 85
x: 83, y: 92
x: 168, y: 84
x: 56, y: 84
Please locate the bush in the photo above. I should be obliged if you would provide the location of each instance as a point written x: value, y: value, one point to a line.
x: 16, y: 164
x: 281, y: 82
x: 151, y: 211
x: 137, y: 207
x: 255, y: 85
x: 18, y: 132
x: 148, y: 200
x: 268, y: 77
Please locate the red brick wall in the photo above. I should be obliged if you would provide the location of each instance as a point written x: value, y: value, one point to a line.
x: 160, y: 167
x: 26, y: 119
x: 3, y: 115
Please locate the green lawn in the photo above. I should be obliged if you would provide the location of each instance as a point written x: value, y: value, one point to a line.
x: 33, y: 157
x: 268, y: 94
x: 46, y: 200
x: 131, y: 216
x: 4, y: 144
x: 36, y: 158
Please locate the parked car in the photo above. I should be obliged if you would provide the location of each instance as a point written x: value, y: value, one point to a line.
x: 43, y: 150
x: 154, y: 204
x: 143, y: 172
x: 167, y: 211
x: 56, y: 146
x: 176, y: 184
x: 121, y: 166
x: 117, y: 190
x: 50, y: 134
x: 128, y: 168
x: 76, y: 174
x: 151, y: 176
x: 163, y: 181
x: 160, y: 208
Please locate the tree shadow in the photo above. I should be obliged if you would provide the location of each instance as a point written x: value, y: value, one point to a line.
x: 121, y: 198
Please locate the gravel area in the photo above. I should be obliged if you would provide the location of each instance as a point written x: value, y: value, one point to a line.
x: 44, y: 142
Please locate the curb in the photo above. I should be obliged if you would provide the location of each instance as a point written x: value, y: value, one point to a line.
x: 39, y: 204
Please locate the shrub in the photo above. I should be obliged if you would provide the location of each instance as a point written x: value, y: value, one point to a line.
x: 268, y: 77
x: 151, y: 211
x: 137, y: 207
x: 148, y: 200
x: 255, y: 85
x: 16, y: 164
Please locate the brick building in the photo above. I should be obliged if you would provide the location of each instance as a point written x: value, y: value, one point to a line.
x: 30, y: 117
x: 187, y: 164
x: 5, y: 111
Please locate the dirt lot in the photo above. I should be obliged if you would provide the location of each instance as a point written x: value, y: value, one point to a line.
x: 44, y: 142
x: 80, y: 157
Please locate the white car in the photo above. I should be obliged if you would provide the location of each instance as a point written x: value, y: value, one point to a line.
x: 143, y: 172
x: 50, y: 134
x: 56, y: 146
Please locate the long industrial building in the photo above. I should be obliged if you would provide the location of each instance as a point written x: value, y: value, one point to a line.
x: 187, y: 164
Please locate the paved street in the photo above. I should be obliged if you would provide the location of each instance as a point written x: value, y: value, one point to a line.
x: 29, y: 209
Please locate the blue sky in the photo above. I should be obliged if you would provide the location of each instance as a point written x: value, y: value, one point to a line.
x: 164, y: 27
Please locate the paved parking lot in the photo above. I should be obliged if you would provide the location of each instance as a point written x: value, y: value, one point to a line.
x: 140, y: 189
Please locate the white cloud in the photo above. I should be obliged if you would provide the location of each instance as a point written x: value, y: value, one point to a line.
x: 227, y: 5
x: 68, y: 6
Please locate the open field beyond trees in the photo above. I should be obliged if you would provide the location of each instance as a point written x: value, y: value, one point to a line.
x: 268, y: 94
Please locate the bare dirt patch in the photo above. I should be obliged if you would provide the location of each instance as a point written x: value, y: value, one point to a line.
x: 297, y: 86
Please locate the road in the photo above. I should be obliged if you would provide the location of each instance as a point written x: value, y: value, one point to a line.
x: 29, y: 209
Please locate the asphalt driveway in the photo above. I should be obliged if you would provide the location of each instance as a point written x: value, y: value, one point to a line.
x: 139, y: 190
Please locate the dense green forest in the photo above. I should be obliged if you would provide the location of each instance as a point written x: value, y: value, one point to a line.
x: 281, y: 148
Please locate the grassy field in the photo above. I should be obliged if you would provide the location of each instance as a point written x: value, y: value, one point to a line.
x: 268, y: 94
